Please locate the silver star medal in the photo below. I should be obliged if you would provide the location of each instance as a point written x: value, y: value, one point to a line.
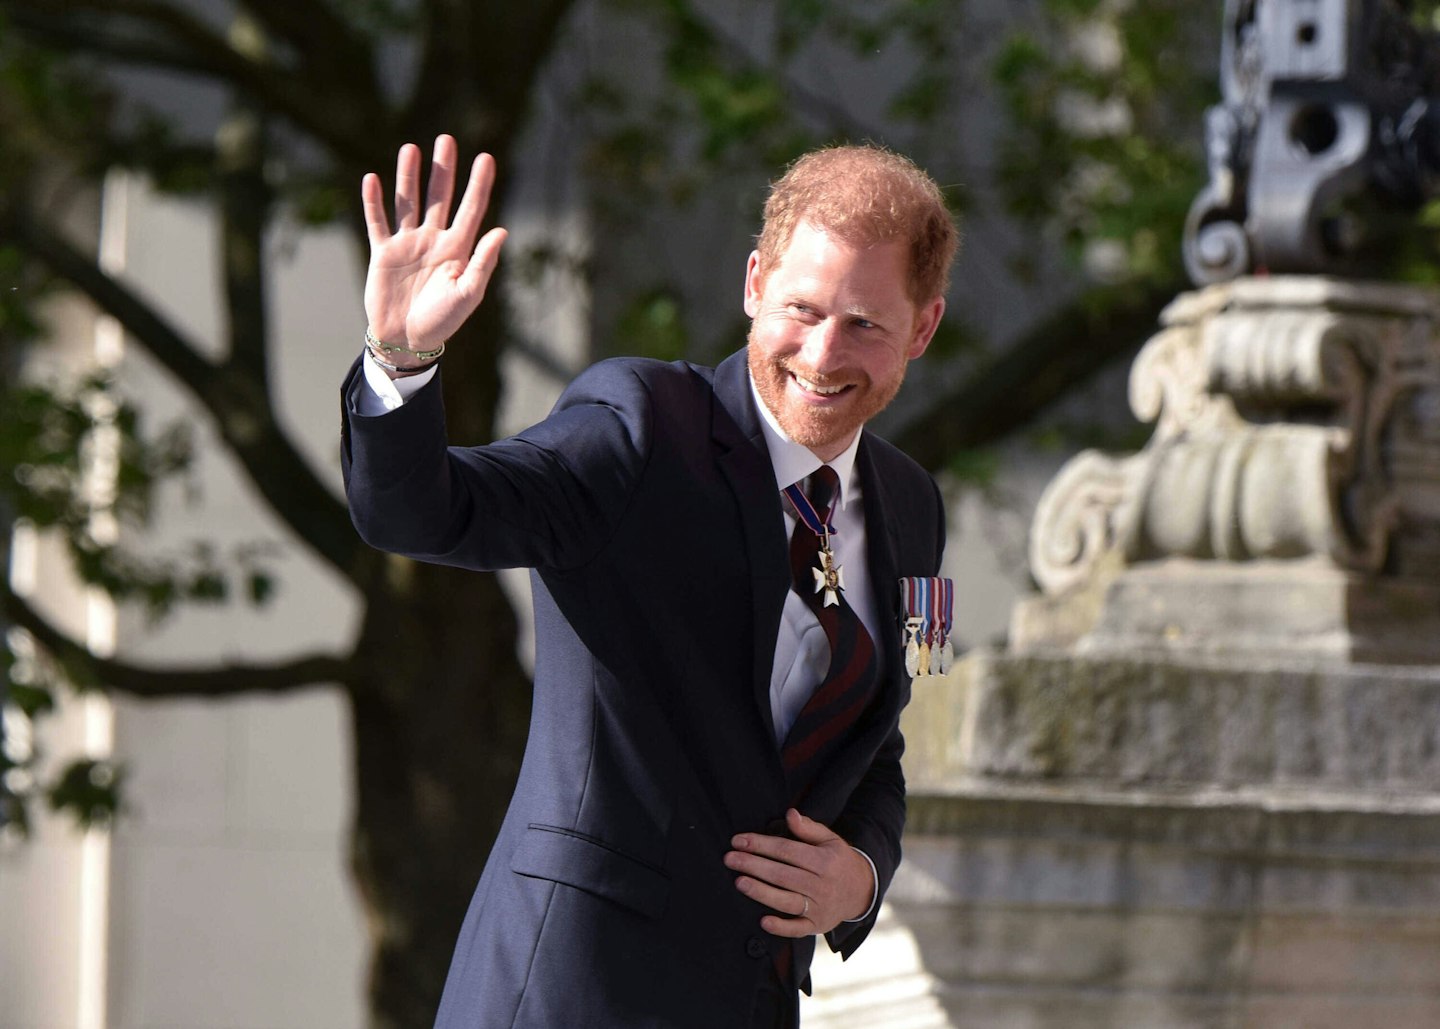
x: 913, y: 628
x: 829, y: 576
x: 947, y: 657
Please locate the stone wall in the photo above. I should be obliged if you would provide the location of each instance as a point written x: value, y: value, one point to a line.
x: 1143, y: 844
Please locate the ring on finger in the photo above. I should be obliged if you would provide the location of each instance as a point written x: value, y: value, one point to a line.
x: 805, y: 911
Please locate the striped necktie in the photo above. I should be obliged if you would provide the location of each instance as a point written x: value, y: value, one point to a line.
x: 845, y: 692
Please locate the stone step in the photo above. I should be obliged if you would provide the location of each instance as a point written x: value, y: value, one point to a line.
x: 1119, y: 722
x: 1057, y: 907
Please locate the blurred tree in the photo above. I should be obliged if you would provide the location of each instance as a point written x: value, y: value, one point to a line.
x: 1097, y: 154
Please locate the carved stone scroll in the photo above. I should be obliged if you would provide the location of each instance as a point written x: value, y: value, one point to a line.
x: 1297, y: 421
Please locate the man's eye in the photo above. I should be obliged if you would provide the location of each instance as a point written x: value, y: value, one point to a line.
x: 864, y: 323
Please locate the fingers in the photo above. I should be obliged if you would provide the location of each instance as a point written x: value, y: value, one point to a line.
x: 438, y: 196
x: 797, y: 906
x: 794, y: 928
x: 778, y: 873
x: 808, y: 830
x: 787, y: 902
x: 372, y: 200
x: 442, y: 182
x: 815, y: 880
x: 787, y: 875
x: 476, y: 276
x: 407, y: 187
x: 798, y: 852
x: 477, y: 196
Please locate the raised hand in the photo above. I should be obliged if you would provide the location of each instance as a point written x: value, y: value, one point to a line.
x: 816, y: 879
x: 427, y: 277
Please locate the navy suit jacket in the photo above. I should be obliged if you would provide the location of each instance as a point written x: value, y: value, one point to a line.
x: 647, y: 507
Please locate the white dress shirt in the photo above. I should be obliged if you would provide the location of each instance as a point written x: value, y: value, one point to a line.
x: 802, y: 651
x: 386, y: 394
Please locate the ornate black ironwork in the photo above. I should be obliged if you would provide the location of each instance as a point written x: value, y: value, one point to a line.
x: 1330, y: 116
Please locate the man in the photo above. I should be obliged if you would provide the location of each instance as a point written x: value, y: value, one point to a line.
x: 713, y: 770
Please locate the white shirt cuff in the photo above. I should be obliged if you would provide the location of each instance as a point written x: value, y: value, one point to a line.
x: 386, y: 394
x: 874, y: 887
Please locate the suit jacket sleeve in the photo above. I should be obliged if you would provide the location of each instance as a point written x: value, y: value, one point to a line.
x: 874, y: 818
x: 548, y: 497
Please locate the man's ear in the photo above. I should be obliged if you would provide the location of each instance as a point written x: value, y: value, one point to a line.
x: 927, y: 320
x: 754, y: 284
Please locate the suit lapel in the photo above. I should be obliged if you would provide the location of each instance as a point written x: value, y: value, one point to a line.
x: 745, y: 461
x: 882, y: 543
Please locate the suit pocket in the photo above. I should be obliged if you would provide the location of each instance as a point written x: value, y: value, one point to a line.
x: 564, y: 856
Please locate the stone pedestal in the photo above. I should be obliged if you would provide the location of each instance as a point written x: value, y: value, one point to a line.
x: 1288, y: 502
x: 1305, y: 612
x: 1097, y: 843
x: 1201, y: 788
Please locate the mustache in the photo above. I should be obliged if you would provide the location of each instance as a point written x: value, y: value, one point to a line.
x: 839, y: 377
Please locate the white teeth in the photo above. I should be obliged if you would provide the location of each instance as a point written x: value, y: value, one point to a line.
x: 826, y: 391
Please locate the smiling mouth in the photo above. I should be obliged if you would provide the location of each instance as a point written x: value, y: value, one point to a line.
x: 814, y: 387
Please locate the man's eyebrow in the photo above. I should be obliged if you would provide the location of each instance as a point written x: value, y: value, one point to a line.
x: 803, y: 296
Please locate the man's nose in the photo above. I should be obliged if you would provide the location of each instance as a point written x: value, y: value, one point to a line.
x: 823, y: 345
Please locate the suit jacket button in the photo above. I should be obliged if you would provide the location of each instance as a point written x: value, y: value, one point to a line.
x: 756, y: 947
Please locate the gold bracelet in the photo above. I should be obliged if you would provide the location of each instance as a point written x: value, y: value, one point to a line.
x: 390, y: 348
x: 399, y: 369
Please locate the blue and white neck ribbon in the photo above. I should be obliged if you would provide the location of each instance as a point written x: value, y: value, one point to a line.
x: 828, y: 576
x: 805, y: 511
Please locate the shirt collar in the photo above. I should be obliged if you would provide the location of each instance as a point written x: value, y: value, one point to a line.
x: 793, y: 462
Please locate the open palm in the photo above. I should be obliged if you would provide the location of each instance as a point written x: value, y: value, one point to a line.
x: 427, y: 277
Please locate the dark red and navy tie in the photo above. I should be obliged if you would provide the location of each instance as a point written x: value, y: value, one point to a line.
x: 849, y: 684
x: 851, y: 679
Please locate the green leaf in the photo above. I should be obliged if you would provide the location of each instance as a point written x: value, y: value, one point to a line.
x: 653, y: 325
x: 977, y: 468
x: 31, y: 700
x: 89, y: 791
x: 260, y: 587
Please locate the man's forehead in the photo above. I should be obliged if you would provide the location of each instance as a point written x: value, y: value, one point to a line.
x: 809, y: 240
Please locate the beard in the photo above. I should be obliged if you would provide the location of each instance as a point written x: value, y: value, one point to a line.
x: 816, y: 426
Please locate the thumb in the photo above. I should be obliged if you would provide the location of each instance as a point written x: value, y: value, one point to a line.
x: 807, y: 830
x: 481, y: 266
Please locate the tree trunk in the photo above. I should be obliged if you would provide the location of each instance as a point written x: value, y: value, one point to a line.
x: 440, y: 723
x: 440, y: 727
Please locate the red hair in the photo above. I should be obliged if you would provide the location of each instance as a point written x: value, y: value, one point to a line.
x: 864, y: 195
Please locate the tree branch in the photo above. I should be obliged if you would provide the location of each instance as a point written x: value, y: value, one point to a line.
x: 135, y: 30
x: 322, y: 40
x: 823, y: 107
x: 159, y: 337
x: 184, y: 44
x: 240, y: 405
x: 541, y: 358
x: 178, y: 681
x: 245, y: 204
x: 1043, y: 366
x: 478, y: 67
x: 159, y: 55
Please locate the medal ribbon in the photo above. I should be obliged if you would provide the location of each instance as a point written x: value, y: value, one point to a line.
x: 917, y: 603
x: 932, y: 601
x: 805, y: 511
x: 923, y: 608
x: 942, y: 597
